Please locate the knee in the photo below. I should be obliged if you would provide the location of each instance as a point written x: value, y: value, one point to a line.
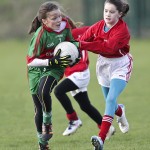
x: 85, y: 106
x: 58, y: 92
x: 110, y: 101
x: 38, y: 111
x: 44, y: 94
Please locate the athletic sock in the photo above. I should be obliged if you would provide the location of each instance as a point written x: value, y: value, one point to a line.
x: 47, y: 117
x: 40, y: 139
x: 99, y: 126
x: 106, y: 123
x: 72, y: 116
x: 118, y: 111
x: 86, y: 106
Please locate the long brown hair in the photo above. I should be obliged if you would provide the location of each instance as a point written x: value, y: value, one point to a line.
x: 71, y: 22
x: 42, y: 14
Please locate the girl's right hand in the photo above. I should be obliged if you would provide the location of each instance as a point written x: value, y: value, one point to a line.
x: 60, y: 61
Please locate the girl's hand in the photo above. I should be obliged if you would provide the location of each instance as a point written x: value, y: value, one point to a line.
x: 60, y: 61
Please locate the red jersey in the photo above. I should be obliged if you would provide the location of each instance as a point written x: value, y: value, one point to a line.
x: 84, y: 62
x: 111, y: 44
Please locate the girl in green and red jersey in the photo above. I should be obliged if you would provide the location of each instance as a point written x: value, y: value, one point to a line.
x: 44, y: 69
x: 110, y: 39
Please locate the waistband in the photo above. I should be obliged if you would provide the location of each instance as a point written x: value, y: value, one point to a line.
x: 128, y: 55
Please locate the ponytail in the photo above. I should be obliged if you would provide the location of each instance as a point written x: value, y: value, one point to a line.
x: 125, y: 9
x: 35, y: 25
x: 71, y: 22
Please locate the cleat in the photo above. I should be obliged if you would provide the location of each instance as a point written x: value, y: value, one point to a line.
x: 73, y: 126
x: 43, y: 147
x: 122, y: 121
x: 97, y: 143
x: 111, y: 132
x: 47, y: 132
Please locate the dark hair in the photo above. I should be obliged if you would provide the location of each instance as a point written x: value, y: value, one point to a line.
x: 71, y: 22
x: 121, y: 5
x: 42, y: 14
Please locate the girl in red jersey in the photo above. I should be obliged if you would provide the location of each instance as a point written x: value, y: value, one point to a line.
x: 110, y: 39
x: 76, y: 82
x: 45, y: 69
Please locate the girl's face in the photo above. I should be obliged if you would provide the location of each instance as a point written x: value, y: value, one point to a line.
x: 111, y: 14
x: 53, y: 19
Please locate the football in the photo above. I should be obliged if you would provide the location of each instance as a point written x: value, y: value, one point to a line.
x: 67, y: 48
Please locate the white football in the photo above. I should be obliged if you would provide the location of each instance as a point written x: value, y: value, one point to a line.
x: 67, y: 48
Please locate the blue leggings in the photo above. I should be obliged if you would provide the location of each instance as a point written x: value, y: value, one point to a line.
x: 111, y: 95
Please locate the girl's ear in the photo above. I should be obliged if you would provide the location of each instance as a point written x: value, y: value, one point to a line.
x: 120, y: 14
x: 44, y: 21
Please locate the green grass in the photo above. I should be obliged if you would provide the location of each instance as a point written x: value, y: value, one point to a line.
x: 17, y: 129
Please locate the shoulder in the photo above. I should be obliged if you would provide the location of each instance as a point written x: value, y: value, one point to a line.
x: 39, y: 30
x: 76, y: 32
x: 122, y: 24
x: 98, y: 25
x: 121, y: 27
x: 39, y: 33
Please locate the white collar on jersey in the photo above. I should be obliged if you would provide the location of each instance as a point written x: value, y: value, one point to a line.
x: 62, y: 26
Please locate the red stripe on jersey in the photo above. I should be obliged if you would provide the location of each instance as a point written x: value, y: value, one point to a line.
x: 37, y: 42
x: 129, y: 67
x: 29, y: 59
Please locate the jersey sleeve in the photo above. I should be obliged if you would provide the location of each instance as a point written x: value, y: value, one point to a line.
x: 117, y: 40
x: 69, y: 36
x: 38, y: 62
x: 80, y: 66
x: 35, y: 47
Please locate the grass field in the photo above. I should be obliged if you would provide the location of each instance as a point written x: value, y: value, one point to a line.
x: 17, y: 130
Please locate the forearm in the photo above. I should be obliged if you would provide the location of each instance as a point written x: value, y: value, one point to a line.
x: 100, y: 47
x: 38, y: 62
x: 94, y: 47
